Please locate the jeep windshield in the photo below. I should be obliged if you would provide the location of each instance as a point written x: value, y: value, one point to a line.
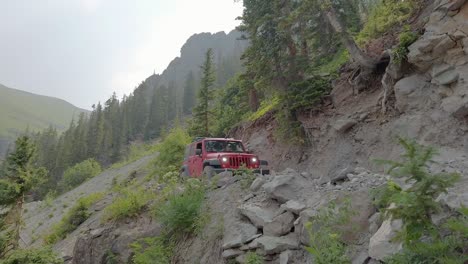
x: 223, y: 146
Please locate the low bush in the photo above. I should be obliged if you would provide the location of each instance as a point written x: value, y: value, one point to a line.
x: 406, y: 38
x: 245, y: 176
x: 151, y: 250
x: 79, y: 173
x: 171, y: 150
x: 384, y: 16
x: 73, y: 218
x: 265, y: 107
x: 253, y: 258
x: 32, y: 256
x: 129, y: 203
x: 416, y: 204
x: 326, y: 243
x: 423, y: 241
x: 181, y: 213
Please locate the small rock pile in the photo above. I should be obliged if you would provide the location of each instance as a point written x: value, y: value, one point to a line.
x: 271, y: 220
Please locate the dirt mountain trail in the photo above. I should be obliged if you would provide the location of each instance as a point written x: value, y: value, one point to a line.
x: 39, y: 217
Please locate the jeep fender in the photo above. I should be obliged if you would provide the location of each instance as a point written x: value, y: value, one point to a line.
x: 263, y: 162
x: 212, y: 162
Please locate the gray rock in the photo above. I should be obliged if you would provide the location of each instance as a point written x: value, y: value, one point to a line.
x: 341, y: 176
x: 285, y: 257
x: 374, y: 223
x: 257, y: 184
x: 231, y: 253
x: 237, y: 233
x: 444, y: 74
x: 452, y: 5
x: 274, y: 245
x: 360, y: 257
x: 410, y: 91
x: 293, y: 206
x: 456, y: 106
x: 342, y: 125
x: 286, y: 186
x: 280, y: 225
x: 299, y: 225
x: 257, y: 215
x: 380, y: 244
x: 445, y: 44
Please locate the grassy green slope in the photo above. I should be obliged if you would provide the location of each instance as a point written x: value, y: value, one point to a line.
x: 19, y: 110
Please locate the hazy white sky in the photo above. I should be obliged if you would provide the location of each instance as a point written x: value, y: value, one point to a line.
x: 83, y: 50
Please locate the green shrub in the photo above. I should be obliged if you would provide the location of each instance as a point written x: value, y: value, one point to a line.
x: 73, y: 218
x: 446, y: 249
x: 128, y: 204
x: 152, y: 250
x: 384, y: 16
x: 416, y: 204
x: 326, y: 243
x: 331, y: 64
x: 32, y: 256
x: 265, y: 107
x: 406, y: 38
x: 424, y: 242
x: 253, y: 258
x: 245, y: 176
x: 79, y: 173
x: 307, y: 93
x: 171, y: 150
x: 182, y: 211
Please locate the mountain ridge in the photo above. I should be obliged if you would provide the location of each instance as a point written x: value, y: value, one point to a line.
x: 23, y: 110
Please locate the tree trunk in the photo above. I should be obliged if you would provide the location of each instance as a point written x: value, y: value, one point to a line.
x: 253, y: 100
x: 356, y: 53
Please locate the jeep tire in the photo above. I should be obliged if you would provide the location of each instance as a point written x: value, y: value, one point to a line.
x: 209, y: 172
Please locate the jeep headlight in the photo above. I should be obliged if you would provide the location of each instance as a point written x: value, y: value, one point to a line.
x: 254, y: 160
x: 224, y: 159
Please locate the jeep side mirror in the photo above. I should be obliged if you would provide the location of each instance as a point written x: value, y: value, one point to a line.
x: 198, y: 152
x: 249, y: 151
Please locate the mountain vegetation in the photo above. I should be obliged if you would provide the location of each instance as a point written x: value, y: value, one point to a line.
x: 22, y: 110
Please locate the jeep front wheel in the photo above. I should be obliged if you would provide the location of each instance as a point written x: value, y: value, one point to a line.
x: 209, y: 172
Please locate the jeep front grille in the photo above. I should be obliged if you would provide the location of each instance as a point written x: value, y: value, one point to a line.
x: 237, y: 162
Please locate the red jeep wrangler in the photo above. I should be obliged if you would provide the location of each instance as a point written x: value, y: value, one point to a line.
x: 210, y: 156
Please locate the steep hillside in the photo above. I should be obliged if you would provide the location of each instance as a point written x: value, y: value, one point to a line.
x: 20, y: 110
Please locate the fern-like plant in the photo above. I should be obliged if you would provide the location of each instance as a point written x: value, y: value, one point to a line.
x: 416, y: 204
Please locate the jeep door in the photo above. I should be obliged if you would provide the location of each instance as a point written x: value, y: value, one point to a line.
x: 197, y: 161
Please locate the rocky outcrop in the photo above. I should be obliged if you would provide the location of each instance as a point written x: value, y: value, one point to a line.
x: 282, y: 222
x: 442, y: 54
x: 381, y: 245
x: 112, y: 242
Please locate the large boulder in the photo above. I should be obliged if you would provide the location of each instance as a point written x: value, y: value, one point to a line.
x: 257, y: 215
x: 294, y: 207
x: 274, y: 245
x: 381, y: 244
x: 411, y: 93
x: 280, y: 225
x: 237, y: 233
x: 287, y: 185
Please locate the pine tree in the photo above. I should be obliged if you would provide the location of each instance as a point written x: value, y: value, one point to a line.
x: 202, y: 112
x: 21, y: 177
x: 189, y: 98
